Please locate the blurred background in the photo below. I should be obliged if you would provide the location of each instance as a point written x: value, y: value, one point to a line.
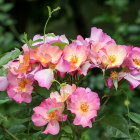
x: 118, y: 18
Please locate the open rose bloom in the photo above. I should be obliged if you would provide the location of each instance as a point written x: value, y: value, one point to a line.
x: 57, y: 65
x: 41, y: 117
x: 84, y: 104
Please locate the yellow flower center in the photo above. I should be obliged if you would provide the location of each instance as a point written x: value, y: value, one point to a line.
x: 84, y: 107
x: 51, y: 115
x: 112, y: 58
x: 74, y: 59
x: 136, y: 61
x: 43, y: 60
x: 114, y: 75
x: 23, y: 82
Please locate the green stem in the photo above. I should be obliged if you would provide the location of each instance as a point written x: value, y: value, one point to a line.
x: 56, y: 81
x: 4, y: 129
x: 45, y: 27
x: 77, y: 134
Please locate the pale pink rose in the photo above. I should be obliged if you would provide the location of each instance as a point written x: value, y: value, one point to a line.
x: 112, y: 55
x: 55, y: 62
x: 76, y: 55
x: 65, y: 92
x: 98, y: 40
x: 84, y: 104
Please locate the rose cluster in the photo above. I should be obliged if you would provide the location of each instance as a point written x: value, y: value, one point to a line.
x: 50, y: 56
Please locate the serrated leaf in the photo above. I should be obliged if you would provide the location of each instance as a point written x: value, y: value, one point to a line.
x: 5, y: 59
x: 116, y: 126
x: 115, y: 82
x: 15, y: 53
x: 53, y: 109
x: 26, y: 40
x: 61, y: 45
x: 135, y: 117
x: 9, y: 56
x: 3, y: 71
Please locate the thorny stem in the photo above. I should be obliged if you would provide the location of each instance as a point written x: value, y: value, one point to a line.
x: 40, y: 95
x: 110, y: 94
x: 77, y: 134
x: 4, y: 129
x: 105, y: 102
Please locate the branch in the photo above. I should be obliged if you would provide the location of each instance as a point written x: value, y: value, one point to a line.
x: 73, y: 129
x: 4, y: 129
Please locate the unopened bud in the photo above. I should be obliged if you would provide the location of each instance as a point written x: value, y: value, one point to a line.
x: 126, y: 102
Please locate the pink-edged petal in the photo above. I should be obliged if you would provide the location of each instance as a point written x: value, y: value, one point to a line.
x: 63, y: 66
x: 82, y: 121
x: 38, y: 120
x: 64, y: 39
x: 18, y: 98
x: 41, y: 111
x: 96, y: 34
x: 56, y: 96
x: 84, y: 68
x: 133, y: 82
x: 52, y: 128
x: 44, y: 77
x: 3, y: 83
x: 27, y: 98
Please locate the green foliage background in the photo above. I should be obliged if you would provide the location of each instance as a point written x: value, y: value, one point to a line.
x: 119, y: 18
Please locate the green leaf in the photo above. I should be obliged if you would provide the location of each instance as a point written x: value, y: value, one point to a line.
x: 116, y: 126
x: 3, y: 71
x: 50, y: 35
x: 135, y: 117
x: 53, y: 109
x: 61, y: 45
x: 5, y: 100
x: 9, y: 56
x: 63, y: 84
x: 6, y: 7
x: 3, y: 118
x: 67, y: 129
x: 15, y: 53
x: 49, y: 11
x: 115, y: 82
x: 38, y: 40
x: 134, y: 132
x: 17, y: 128
x: 56, y: 9
x: 26, y: 40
